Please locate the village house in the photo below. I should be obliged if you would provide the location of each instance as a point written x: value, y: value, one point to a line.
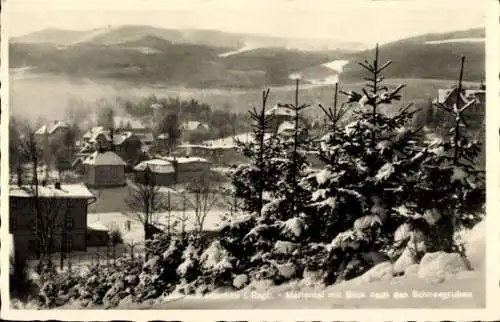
x: 49, y: 134
x: 65, y: 205
x: 136, y: 127
x: 448, y: 97
x: 279, y: 114
x: 100, y: 138
x: 53, y: 131
x: 161, y: 143
x: 104, y: 169
x: 188, y: 168
x: 97, y: 234
x: 162, y: 172
x: 194, y: 131
x: 125, y: 143
x: 476, y: 96
x: 128, y: 146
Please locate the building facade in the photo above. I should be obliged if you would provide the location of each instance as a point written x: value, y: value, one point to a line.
x: 104, y: 169
x: 65, y: 211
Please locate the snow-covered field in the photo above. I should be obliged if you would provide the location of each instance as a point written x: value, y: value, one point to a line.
x: 118, y: 220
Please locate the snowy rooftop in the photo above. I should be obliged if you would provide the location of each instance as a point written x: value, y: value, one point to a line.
x: 95, y: 135
x: 104, y: 158
x: 186, y: 159
x: 93, y: 131
x: 279, y: 110
x: 286, y: 127
x: 122, y: 137
x: 97, y: 226
x: 156, y: 166
x: 468, y: 94
x: 228, y: 142
x: 194, y: 125
x: 51, y: 127
x: 77, y: 191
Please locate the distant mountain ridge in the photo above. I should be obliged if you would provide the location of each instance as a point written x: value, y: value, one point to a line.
x: 113, y: 35
x: 149, y: 55
x: 433, y: 56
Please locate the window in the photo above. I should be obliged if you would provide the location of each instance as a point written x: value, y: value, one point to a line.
x: 68, y: 244
x: 69, y: 223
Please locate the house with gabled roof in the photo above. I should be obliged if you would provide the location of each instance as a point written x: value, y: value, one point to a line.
x: 48, y: 134
x: 282, y: 116
x: 137, y: 127
x: 104, y: 169
x: 162, y: 172
x: 448, y: 96
x: 52, y: 129
x: 128, y: 146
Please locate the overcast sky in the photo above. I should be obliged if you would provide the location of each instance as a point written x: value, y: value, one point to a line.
x: 365, y: 21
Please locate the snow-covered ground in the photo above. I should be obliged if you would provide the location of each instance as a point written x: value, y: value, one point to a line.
x: 465, y: 289
x: 239, y: 51
x: 452, y: 40
x: 336, y: 65
x: 118, y: 220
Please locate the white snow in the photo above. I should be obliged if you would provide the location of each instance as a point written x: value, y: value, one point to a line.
x: 366, y: 222
x: 215, y: 257
x: 475, y: 247
x: 185, y: 266
x: 285, y: 247
x: 452, y: 40
x: 439, y: 266
x: 323, y: 176
x: 243, y: 49
x: 458, y: 174
x: 336, y: 65
x: 402, y: 232
x: 293, y: 225
x: 348, y: 238
x: 320, y: 193
x: 385, y: 172
x: 432, y: 216
x: 380, y: 272
x: 404, y: 261
x: 240, y: 281
x: 286, y: 270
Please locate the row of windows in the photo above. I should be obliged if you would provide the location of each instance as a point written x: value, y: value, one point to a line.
x: 32, y: 224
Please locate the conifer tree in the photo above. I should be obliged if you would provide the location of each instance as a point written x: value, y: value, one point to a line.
x: 251, y: 181
x: 368, y: 162
x: 450, y: 185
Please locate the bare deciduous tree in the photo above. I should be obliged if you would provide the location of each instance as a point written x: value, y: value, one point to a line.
x: 145, y: 199
x: 201, y: 195
x: 49, y: 208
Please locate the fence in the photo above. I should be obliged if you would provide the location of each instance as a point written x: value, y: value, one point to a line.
x: 82, y: 261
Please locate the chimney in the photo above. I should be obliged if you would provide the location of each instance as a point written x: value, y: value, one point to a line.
x: 57, y: 185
